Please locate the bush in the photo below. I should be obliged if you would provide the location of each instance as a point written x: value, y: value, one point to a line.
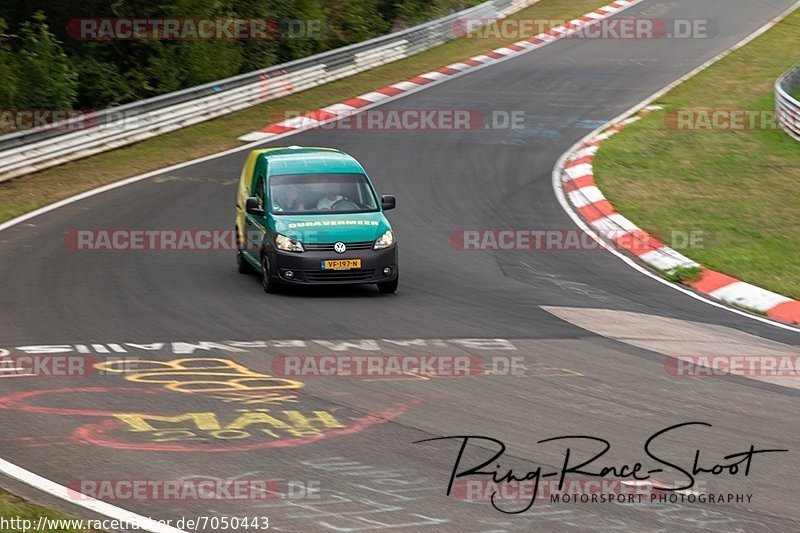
x: 50, y: 81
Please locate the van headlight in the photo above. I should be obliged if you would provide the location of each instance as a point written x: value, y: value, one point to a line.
x: 384, y: 241
x: 282, y: 242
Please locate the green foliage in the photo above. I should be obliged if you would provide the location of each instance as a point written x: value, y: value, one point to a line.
x: 50, y: 81
x: 101, y: 81
x: 8, y: 71
x: 682, y: 274
x: 60, y: 70
x: 357, y: 20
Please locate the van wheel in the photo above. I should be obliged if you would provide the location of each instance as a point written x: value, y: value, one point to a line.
x: 389, y: 287
x: 268, y: 281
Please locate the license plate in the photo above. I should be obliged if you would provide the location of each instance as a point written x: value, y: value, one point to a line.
x: 341, y: 264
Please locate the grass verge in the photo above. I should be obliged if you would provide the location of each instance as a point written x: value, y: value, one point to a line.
x: 739, y: 187
x: 681, y: 274
x: 30, y: 192
x: 12, y: 507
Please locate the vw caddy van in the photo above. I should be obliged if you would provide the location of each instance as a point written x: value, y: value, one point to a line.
x: 310, y: 216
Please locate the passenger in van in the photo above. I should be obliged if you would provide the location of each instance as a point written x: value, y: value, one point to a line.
x: 290, y: 201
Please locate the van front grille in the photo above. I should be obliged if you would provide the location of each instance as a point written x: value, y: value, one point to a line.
x: 328, y: 276
x: 328, y: 247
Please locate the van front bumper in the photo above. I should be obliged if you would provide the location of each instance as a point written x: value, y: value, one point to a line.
x: 306, y: 268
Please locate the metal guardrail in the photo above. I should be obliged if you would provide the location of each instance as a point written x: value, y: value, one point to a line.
x: 30, y: 151
x: 787, y: 107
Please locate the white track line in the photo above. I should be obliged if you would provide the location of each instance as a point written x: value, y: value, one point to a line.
x: 103, y: 508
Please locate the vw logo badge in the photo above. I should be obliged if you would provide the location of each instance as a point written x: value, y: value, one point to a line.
x: 339, y: 247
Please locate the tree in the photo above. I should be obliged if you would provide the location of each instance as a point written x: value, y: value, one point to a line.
x: 302, y: 12
x: 258, y: 53
x: 358, y: 20
x: 188, y: 62
x: 10, y: 82
x: 101, y: 83
x: 50, y: 80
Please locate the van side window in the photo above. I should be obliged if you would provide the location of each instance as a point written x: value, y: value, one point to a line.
x: 259, y: 190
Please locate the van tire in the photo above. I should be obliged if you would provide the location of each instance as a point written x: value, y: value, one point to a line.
x: 268, y: 280
x: 389, y: 287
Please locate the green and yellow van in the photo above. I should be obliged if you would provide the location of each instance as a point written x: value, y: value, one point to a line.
x: 311, y: 216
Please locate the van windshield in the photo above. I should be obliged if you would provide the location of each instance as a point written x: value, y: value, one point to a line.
x: 310, y: 194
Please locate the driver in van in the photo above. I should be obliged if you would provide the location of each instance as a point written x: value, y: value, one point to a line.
x: 331, y: 197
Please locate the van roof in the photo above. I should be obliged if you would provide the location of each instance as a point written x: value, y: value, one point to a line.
x: 307, y: 160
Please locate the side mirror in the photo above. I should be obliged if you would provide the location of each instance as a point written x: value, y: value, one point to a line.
x: 253, y: 207
x: 388, y: 202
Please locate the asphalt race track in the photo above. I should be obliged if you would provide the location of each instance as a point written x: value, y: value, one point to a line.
x: 592, y: 332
